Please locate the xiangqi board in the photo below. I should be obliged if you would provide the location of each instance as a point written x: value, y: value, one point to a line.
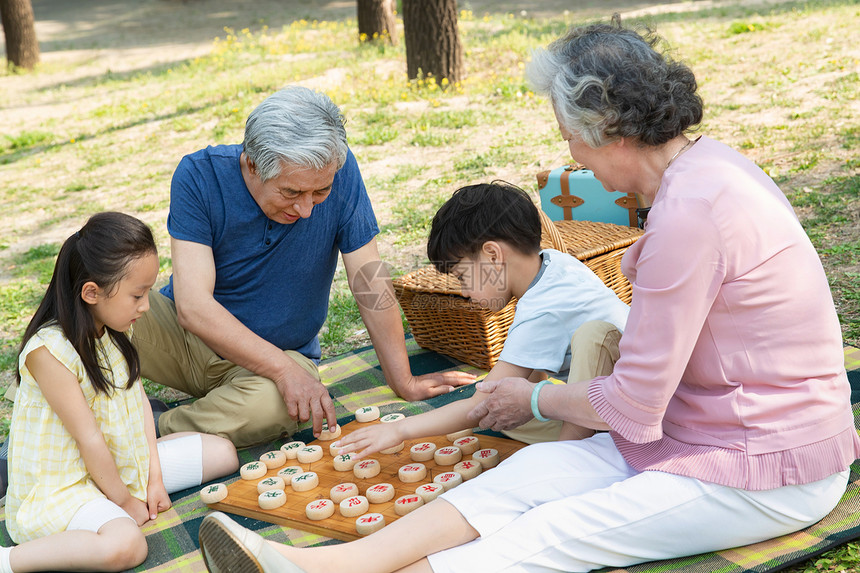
x: 242, y: 494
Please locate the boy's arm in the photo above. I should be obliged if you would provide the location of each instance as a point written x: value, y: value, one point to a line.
x: 537, y: 376
x: 445, y: 420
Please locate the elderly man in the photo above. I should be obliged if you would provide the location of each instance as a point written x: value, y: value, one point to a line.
x: 255, y: 231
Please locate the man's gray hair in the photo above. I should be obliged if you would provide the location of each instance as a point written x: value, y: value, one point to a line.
x: 295, y: 126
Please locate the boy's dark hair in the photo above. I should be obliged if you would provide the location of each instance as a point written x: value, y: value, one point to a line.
x: 100, y: 252
x: 475, y: 214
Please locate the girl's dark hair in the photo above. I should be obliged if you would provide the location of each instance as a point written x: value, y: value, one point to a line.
x: 475, y: 214
x: 101, y: 252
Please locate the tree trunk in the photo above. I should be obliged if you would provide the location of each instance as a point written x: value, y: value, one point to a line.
x: 22, y: 46
x: 432, y: 39
x: 376, y: 21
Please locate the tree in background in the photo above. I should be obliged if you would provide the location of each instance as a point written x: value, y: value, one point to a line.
x: 432, y: 39
x: 376, y: 21
x: 19, y: 28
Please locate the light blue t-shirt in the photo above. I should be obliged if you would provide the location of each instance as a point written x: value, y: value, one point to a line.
x: 275, y: 278
x: 564, y: 295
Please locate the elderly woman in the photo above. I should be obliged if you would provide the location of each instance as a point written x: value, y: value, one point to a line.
x: 728, y: 412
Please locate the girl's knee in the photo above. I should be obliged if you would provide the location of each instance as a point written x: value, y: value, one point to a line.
x: 219, y: 456
x: 124, y: 551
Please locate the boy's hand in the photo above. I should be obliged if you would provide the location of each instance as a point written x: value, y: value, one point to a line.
x: 508, y: 405
x: 369, y: 440
x: 433, y: 384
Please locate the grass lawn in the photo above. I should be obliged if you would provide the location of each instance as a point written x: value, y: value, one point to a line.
x: 780, y: 81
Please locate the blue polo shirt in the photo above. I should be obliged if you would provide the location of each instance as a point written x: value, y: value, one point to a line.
x: 275, y: 278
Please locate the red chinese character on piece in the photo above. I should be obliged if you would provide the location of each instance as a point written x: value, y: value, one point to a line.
x: 410, y: 468
x: 484, y: 453
x: 467, y: 465
x: 423, y: 447
x: 353, y: 501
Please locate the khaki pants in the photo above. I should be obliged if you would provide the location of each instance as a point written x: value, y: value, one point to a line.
x: 232, y: 401
x: 594, y: 352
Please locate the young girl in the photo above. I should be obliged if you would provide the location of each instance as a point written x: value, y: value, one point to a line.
x: 85, y: 470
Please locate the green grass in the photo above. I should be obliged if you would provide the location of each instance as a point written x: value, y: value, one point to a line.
x: 778, y: 80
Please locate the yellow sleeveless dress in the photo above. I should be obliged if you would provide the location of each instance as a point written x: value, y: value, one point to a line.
x: 48, y: 481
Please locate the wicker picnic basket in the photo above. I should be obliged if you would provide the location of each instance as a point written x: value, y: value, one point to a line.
x: 443, y: 320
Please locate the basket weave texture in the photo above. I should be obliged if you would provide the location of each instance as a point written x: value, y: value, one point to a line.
x: 443, y: 320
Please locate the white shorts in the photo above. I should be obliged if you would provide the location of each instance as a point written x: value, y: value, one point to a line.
x: 181, y: 467
x: 577, y: 505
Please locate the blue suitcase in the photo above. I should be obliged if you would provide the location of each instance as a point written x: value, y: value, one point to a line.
x: 571, y: 192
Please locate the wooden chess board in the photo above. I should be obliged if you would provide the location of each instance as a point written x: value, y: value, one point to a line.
x: 242, y: 494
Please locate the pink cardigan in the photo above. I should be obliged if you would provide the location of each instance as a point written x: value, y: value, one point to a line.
x: 731, y: 367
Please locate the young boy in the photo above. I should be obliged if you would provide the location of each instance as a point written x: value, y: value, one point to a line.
x: 488, y: 237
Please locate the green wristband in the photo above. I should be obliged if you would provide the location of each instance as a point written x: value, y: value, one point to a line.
x: 535, y: 394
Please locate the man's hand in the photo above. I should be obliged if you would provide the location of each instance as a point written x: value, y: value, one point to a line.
x: 433, y: 384
x: 307, y: 398
x: 508, y: 405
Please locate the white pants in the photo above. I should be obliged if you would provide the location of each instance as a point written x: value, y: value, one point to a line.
x: 181, y: 467
x: 577, y: 505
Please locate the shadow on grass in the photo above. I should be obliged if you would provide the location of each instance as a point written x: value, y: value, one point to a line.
x: 23, y: 152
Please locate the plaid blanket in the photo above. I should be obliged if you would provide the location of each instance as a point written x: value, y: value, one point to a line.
x: 355, y: 380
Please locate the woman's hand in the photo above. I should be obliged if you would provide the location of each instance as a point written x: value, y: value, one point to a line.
x: 507, y: 406
x: 369, y: 440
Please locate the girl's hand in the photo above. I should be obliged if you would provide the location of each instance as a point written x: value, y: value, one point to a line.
x: 136, y: 509
x: 369, y: 440
x: 157, y: 499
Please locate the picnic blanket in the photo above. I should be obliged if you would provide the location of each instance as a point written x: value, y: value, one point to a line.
x: 355, y: 380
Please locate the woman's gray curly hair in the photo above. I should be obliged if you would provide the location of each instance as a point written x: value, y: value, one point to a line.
x: 607, y: 82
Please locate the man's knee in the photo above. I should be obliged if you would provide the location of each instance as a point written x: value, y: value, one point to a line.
x: 262, y: 411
